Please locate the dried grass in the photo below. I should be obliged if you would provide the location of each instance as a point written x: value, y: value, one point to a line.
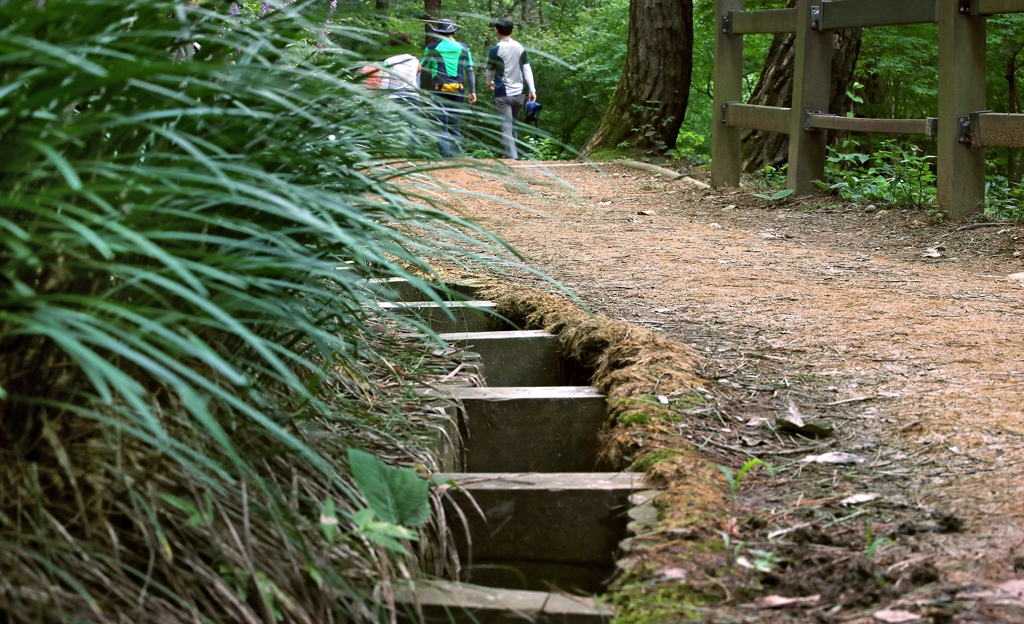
x: 89, y: 531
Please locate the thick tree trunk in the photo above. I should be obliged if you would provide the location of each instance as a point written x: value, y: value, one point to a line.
x: 650, y: 100
x: 775, y: 88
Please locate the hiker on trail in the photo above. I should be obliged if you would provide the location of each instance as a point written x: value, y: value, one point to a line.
x: 401, y: 73
x: 451, y: 67
x: 510, y: 76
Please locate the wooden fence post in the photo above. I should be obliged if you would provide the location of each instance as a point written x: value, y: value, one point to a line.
x: 726, y: 147
x: 812, y: 75
x: 961, y: 168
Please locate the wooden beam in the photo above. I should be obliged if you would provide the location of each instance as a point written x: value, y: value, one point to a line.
x: 763, y: 22
x: 767, y: 118
x: 925, y: 127
x: 961, y: 167
x: 812, y: 76
x: 996, y: 7
x: 726, y: 147
x: 997, y: 130
x: 864, y: 13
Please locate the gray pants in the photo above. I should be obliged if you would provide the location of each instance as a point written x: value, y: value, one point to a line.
x: 509, y: 108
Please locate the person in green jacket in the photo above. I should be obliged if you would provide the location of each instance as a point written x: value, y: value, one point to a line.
x: 450, y: 65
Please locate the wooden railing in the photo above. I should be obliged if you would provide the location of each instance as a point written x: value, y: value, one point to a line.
x: 962, y: 130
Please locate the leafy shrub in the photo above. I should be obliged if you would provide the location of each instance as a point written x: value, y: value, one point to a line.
x: 894, y: 174
x: 548, y: 149
x: 1003, y: 200
x: 773, y: 177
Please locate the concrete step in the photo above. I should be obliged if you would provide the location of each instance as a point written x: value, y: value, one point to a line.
x: 519, y: 358
x: 547, y: 526
x: 538, y: 429
x: 469, y: 316
x: 442, y: 601
x: 579, y: 579
x: 399, y: 289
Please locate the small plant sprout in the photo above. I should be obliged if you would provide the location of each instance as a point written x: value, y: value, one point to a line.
x: 736, y: 479
x: 759, y: 560
x: 777, y: 197
x: 871, y: 546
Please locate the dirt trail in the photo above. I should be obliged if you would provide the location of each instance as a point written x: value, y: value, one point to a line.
x: 918, y: 361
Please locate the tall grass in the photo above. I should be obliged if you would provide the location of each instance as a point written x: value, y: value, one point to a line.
x: 184, y: 363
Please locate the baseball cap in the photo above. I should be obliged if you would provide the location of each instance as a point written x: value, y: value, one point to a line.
x: 504, y: 23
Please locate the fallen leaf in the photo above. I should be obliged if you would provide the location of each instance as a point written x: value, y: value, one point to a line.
x: 793, y: 422
x: 715, y: 225
x: 890, y: 616
x: 662, y: 399
x: 834, y: 458
x: 749, y: 441
x: 1017, y: 277
x: 1013, y: 588
x: 649, y: 213
x: 673, y: 574
x: 931, y: 252
x: 756, y: 422
x: 857, y: 499
x: 781, y: 602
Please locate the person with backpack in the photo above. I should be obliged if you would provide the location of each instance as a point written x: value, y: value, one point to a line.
x: 450, y: 65
x: 510, y: 76
x: 400, y: 76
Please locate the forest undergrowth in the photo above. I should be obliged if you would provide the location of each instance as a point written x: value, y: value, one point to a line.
x: 192, y: 202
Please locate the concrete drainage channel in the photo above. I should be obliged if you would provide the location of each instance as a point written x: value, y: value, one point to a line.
x: 529, y: 451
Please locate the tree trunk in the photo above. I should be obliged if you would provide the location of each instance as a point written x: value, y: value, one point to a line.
x: 650, y: 100
x: 381, y: 5
x: 1014, y: 163
x: 431, y: 13
x: 775, y: 88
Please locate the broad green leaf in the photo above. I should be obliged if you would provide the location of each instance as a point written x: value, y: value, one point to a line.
x: 396, y: 495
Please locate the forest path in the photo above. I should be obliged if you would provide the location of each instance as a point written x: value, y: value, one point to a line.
x: 918, y: 361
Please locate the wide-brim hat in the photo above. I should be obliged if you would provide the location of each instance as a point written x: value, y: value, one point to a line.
x: 445, y: 27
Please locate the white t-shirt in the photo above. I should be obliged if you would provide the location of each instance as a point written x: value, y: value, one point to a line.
x: 401, y: 75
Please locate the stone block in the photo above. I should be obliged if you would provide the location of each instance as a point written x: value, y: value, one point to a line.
x: 453, y: 316
x: 515, y: 358
x: 540, y: 429
x: 399, y: 289
x: 560, y: 518
x: 571, y: 578
x: 442, y: 601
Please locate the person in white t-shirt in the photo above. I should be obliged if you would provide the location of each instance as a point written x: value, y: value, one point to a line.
x: 400, y: 74
x: 510, y: 76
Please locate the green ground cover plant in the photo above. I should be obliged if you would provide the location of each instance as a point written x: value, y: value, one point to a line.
x: 191, y: 200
